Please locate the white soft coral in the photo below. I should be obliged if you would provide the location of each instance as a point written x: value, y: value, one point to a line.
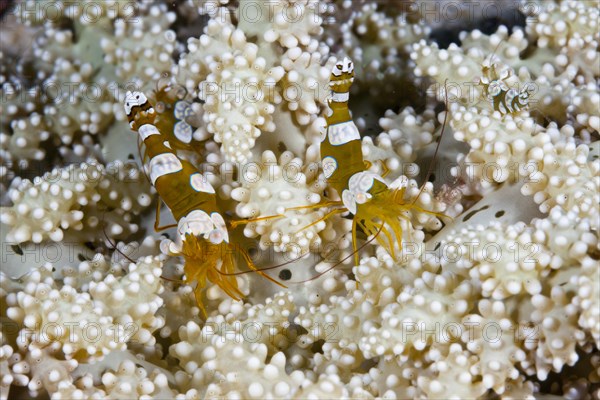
x: 271, y: 189
x: 566, y: 178
x: 292, y: 23
x: 240, y: 95
x: 142, y: 47
x: 67, y: 198
x: 306, y: 84
x: 238, y: 87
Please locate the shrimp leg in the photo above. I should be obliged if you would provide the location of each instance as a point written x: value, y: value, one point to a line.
x: 158, y: 228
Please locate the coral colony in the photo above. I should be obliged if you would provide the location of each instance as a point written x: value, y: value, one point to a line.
x: 300, y: 199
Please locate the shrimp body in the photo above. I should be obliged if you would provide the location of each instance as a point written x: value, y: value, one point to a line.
x: 375, y: 205
x: 504, y: 99
x: 174, y: 110
x: 171, y: 112
x: 192, y: 201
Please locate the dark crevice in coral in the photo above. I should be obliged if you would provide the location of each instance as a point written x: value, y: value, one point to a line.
x: 317, y: 347
x: 528, y: 51
x: 572, y: 381
x: 31, y: 168
x: 22, y: 393
x: 281, y: 147
x: 190, y: 29
x: 67, y: 24
x: 509, y: 16
x: 6, y: 7
x: 17, y: 249
x: 26, y: 72
x: 370, y: 103
x: 366, y: 365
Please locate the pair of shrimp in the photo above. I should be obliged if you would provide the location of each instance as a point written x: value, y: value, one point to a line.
x: 376, y: 206
x: 504, y: 99
x: 496, y: 89
x: 203, y: 237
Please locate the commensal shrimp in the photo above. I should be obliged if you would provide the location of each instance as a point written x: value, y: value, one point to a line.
x: 377, y: 207
x: 203, y: 234
x: 504, y: 99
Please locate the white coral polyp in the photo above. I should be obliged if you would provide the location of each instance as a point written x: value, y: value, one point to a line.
x: 578, y: 271
x: 452, y: 376
x: 88, y: 325
x: 88, y: 106
x: 66, y: 198
x: 491, y: 336
x: 378, y: 44
x: 70, y: 322
x: 271, y: 187
x: 50, y: 204
x: 556, y: 24
x: 291, y: 23
x: 566, y: 178
x: 219, y: 37
x: 142, y: 47
x: 450, y: 63
x: 46, y: 369
x: 381, y: 279
x: 431, y: 304
x: 496, y: 143
x: 239, y: 87
x: 585, y: 106
x: 131, y: 381
x: 24, y: 143
x: 240, y: 96
x: 555, y: 332
x: 133, y: 300
x: 328, y: 386
x: 211, y: 356
x: 497, y: 256
x: 339, y: 326
x: 588, y: 299
x: 306, y: 84
x: 407, y: 131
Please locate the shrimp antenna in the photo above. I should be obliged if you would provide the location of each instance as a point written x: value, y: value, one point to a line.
x: 302, y: 256
x: 342, y: 260
x: 262, y: 269
x: 494, y: 52
x: 437, y: 148
x: 112, y: 244
x: 114, y: 247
